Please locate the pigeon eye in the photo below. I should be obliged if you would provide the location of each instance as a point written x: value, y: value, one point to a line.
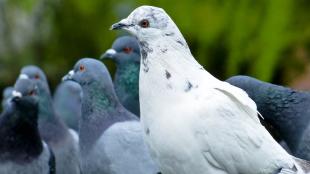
x: 127, y: 50
x: 82, y: 68
x: 144, y: 23
x: 31, y: 93
x: 37, y: 76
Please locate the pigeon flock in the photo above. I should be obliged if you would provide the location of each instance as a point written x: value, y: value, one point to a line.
x: 154, y: 117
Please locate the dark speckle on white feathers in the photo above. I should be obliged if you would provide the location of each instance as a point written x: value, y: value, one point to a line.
x: 168, y: 75
x: 189, y: 86
x: 163, y: 50
x: 170, y: 34
x: 147, y: 131
x: 145, y: 50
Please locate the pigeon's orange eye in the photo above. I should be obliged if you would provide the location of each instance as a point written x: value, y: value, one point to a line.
x: 144, y: 23
x: 37, y: 76
x: 127, y: 50
x: 82, y: 68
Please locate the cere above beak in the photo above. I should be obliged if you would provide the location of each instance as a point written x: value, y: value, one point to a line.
x: 69, y: 76
x: 23, y: 76
x: 108, y: 54
x: 16, y: 96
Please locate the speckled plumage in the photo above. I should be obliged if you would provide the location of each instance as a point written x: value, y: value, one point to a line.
x: 111, y: 138
x: 125, y: 53
x: 284, y: 108
x: 193, y: 122
x: 52, y: 128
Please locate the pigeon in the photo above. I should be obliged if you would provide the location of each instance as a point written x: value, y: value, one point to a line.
x: 125, y: 52
x: 67, y: 103
x: 284, y: 108
x: 21, y: 147
x: 193, y: 122
x: 7, y: 93
x: 63, y: 141
x: 111, y: 138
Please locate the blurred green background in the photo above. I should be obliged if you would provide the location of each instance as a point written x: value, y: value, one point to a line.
x: 267, y: 39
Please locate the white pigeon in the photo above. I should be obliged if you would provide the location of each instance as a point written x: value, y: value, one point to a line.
x: 193, y: 122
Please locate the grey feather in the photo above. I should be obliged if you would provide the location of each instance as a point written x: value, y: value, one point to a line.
x: 21, y: 149
x: 125, y: 52
x: 110, y: 136
x: 284, y: 108
x: 67, y: 103
x: 52, y: 128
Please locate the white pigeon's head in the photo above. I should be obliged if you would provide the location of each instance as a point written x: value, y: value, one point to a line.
x: 148, y: 23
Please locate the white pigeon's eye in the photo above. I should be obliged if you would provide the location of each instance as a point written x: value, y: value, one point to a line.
x: 144, y: 23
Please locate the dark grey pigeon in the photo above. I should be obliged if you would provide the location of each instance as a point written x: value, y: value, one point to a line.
x: 7, y: 93
x: 63, y: 141
x: 67, y: 103
x: 287, y: 110
x: 110, y: 136
x: 21, y: 147
x: 125, y: 52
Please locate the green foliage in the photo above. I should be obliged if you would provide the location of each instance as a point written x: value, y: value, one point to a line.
x: 251, y: 37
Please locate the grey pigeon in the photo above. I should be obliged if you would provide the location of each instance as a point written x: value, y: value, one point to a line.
x: 63, y: 141
x: 193, y: 122
x: 7, y: 93
x: 68, y: 103
x: 287, y: 110
x: 21, y: 147
x: 125, y: 52
x: 111, y: 138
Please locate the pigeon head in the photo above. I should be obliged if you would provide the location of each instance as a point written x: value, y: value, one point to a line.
x: 88, y: 71
x: 37, y: 75
x: 96, y: 83
x: 148, y: 23
x: 25, y: 93
x: 124, y: 49
x: 33, y: 72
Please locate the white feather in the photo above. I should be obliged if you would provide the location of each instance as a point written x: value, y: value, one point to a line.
x: 198, y: 123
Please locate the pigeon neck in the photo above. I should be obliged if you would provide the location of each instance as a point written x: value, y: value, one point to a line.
x: 46, y: 109
x: 102, y: 98
x: 21, y: 124
x: 167, y: 71
x: 52, y: 129
x: 100, y: 109
x: 126, y: 81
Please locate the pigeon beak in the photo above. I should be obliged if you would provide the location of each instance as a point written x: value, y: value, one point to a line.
x: 69, y: 76
x: 123, y: 24
x: 23, y: 76
x: 16, y: 95
x: 108, y: 54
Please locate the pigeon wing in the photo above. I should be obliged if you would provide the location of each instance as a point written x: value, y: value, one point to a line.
x: 229, y: 133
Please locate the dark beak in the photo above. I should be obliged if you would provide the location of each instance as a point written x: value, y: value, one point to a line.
x: 110, y: 53
x: 118, y: 26
x: 15, y: 99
